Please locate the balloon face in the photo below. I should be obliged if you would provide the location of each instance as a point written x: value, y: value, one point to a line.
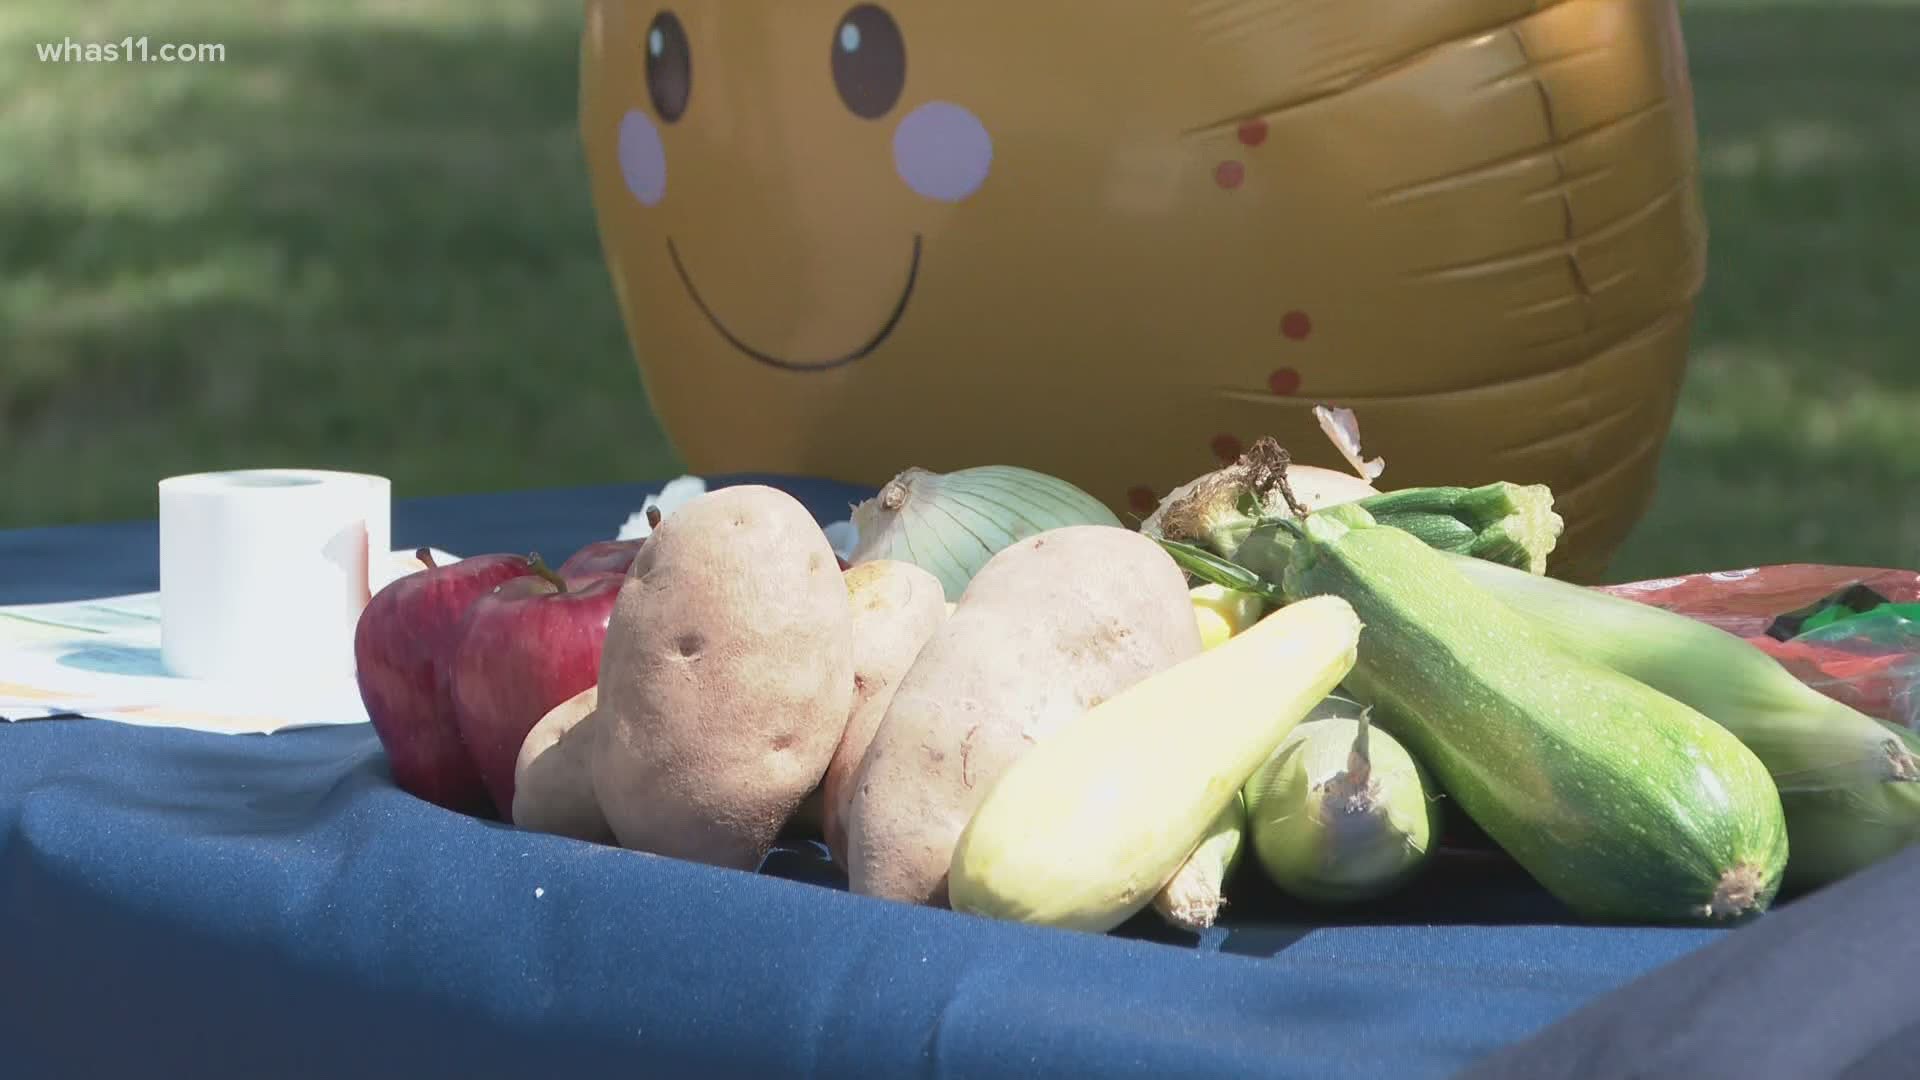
x: 849, y: 238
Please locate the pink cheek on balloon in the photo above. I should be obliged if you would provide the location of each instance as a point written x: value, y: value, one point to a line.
x: 643, y: 158
x: 942, y: 151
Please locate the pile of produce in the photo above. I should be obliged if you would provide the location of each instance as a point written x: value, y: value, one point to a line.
x: 1008, y: 702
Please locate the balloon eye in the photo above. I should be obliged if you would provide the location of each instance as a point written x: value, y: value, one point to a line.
x: 869, y: 61
x: 669, y: 66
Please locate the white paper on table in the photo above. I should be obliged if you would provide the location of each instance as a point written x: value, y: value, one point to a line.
x: 101, y: 658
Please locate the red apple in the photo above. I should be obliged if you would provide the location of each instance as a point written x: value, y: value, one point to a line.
x: 524, y: 648
x: 402, y: 646
x: 602, y: 557
x: 608, y: 556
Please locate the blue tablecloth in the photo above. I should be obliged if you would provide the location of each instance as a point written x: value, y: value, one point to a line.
x: 175, y: 904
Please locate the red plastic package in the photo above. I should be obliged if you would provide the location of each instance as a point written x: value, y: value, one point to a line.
x: 1871, y: 662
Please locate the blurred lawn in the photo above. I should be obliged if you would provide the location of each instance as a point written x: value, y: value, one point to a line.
x: 364, y: 241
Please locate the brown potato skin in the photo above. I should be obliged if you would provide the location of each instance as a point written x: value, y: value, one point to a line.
x: 725, y: 681
x: 552, y: 780
x: 897, y: 606
x: 1048, y: 628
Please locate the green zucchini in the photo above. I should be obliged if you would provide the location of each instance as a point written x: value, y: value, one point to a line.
x: 1623, y: 803
x: 1235, y: 512
x: 1499, y: 522
x: 1442, y: 531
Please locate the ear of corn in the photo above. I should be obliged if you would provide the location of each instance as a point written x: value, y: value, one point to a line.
x: 1193, y: 899
x: 1835, y: 833
x: 1807, y: 740
x: 1341, y: 812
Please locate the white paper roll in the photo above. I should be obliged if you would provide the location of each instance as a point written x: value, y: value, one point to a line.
x: 264, y: 573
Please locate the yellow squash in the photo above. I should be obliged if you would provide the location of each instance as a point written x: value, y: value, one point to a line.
x: 1223, y: 612
x: 1083, y: 830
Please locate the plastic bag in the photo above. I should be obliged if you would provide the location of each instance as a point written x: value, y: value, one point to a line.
x: 1870, y: 661
x: 1852, y: 633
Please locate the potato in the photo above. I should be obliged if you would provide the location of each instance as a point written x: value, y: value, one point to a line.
x: 1048, y: 628
x: 896, y: 608
x: 725, y: 681
x: 552, y: 783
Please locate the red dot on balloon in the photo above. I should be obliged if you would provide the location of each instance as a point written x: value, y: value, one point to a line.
x: 1284, y: 381
x: 1226, y: 448
x: 1253, y: 132
x: 1229, y: 174
x: 1296, y: 325
x: 1143, y: 499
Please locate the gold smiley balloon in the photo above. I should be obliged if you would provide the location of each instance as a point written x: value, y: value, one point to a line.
x: 1118, y: 241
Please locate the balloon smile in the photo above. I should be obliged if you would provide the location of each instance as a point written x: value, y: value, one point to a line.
x: 786, y: 364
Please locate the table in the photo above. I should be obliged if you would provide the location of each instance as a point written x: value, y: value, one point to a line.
x: 176, y: 903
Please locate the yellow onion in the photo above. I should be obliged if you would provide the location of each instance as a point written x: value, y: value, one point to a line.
x: 950, y: 524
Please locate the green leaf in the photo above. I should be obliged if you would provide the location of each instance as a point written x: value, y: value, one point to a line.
x: 1215, y: 570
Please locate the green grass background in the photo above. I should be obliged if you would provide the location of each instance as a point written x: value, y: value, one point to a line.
x: 364, y: 241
